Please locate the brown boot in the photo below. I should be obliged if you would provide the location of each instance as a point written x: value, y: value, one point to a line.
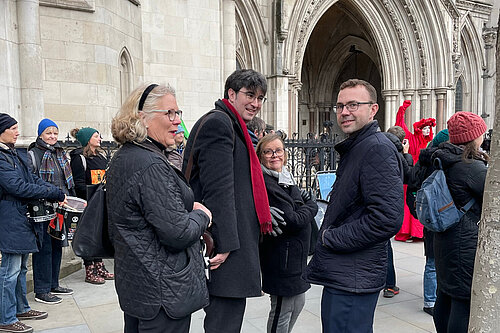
x: 91, y: 275
x: 103, y: 272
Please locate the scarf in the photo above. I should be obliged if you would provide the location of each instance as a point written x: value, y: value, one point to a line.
x: 284, y: 177
x: 48, y: 165
x: 258, y: 185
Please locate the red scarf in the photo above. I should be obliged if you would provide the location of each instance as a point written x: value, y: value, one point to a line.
x: 258, y: 185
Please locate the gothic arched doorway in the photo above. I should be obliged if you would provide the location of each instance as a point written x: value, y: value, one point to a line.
x: 339, y: 48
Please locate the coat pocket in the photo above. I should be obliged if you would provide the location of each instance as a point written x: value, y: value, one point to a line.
x: 291, y: 258
x: 186, y: 291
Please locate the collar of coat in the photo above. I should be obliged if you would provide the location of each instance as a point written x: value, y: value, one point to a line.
x: 356, y: 137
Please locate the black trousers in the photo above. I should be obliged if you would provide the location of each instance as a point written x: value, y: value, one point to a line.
x: 451, y: 315
x: 159, y: 324
x: 224, y: 314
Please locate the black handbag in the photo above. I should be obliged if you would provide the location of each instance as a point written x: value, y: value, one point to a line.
x: 91, y: 238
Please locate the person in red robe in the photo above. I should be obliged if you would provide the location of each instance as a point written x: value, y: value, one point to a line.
x: 421, y: 136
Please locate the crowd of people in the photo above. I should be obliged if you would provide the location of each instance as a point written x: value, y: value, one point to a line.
x: 229, y: 183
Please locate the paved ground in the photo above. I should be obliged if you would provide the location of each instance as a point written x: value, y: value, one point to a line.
x: 95, y: 308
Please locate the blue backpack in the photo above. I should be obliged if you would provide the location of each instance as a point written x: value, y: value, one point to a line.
x: 435, y: 207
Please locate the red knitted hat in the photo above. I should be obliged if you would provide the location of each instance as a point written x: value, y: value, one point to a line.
x: 465, y: 126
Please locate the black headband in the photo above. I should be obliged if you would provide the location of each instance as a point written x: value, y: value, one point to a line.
x: 145, y: 95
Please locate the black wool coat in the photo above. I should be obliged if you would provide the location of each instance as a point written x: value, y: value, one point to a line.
x: 151, y: 224
x: 82, y: 175
x: 364, y: 212
x: 455, y: 248
x: 221, y: 180
x: 283, y: 258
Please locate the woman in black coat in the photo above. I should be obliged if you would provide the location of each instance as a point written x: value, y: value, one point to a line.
x: 89, y: 164
x: 50, y: 162
x: 284, y: 257
x: 455, y: 249
x: 155, y: 224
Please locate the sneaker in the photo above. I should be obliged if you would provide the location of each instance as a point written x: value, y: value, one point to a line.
x: 47, y: 298
x: 16, y: 327
x: 61, y: 291
x: 429, y: 310
x: 32, y: 314
x: 391, y: 292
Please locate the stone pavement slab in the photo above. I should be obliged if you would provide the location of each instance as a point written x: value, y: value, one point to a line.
x: 95, y: 309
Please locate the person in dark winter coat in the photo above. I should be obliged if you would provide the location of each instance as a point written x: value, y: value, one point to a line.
x: 365, y: 210
x: 455, y: 249
x: 88, y: 165
x: 418, y: 174
x: 18, y: 186
x: 283, y: 258
x: 154, y: 222
x: 226, y: 176
x: 49, y: 161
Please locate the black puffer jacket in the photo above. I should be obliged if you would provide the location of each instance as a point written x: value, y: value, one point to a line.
x: 152, y: 223
x: 283, y: 258
x: 364, y: 212
x: 455, y: 249
x: 406, y: 158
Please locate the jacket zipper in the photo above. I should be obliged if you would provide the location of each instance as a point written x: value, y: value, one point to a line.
x: 286, y: 255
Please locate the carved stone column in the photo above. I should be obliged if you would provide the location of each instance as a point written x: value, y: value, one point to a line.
x: 30, y: 69
x: 440, y: 108
x: 229, y: 37
x: 294, y: 116
x: 391, y: 106
x: 425, y: 106
x: 489, y: 74
x: 411, y: 114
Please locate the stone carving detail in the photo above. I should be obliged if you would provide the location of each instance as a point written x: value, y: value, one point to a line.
x: 402, y: 40
x: 489, y: 37
x: 420, y: 44
x: 82, y: 5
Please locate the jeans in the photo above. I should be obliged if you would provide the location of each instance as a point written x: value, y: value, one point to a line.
x: 390, y: 280
x: 346, y: 312
x: 284, y: 312
x: 47, y: 263
x: 430, y: 283
x: 13, y: 287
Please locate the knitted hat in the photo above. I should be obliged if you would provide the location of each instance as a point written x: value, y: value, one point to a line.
x: 465, y: 127
x: 179, y: 129
x: 44, y: 124
x: 6, y: 122
x: 441, y: 137
x: 84, y: 135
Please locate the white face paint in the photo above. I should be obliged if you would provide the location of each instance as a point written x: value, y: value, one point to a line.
x: 426, y: 130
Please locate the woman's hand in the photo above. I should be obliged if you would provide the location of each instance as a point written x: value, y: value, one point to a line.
x: 202, y: 207
x: 216, y: 261
x: 65, y: 202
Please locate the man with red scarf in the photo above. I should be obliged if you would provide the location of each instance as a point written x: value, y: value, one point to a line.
x: 226, y: 176
x: 418, y: 140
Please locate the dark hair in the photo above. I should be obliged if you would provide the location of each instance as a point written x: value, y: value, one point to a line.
x: 256, y: 125
x: 245, y: 78
x: 351, y: 83
x: 397, y: 131
x: 472, y: 152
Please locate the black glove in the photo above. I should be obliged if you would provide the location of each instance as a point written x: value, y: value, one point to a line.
x: 277, y: 220
x: 307, y: 195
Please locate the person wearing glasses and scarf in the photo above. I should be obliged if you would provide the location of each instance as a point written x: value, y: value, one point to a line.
x: 283, y: 258
x: 49, y: 161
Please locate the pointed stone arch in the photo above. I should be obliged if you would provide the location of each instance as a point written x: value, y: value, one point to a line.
x: 126, y: 68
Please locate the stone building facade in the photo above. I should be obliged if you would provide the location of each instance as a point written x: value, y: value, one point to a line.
x: 75, y: 60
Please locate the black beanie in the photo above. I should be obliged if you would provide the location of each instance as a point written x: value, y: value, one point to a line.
x: 6, y: 122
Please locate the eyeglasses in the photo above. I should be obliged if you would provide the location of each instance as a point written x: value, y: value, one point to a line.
x: 269, y: 152
x: 251, y: 96
x: 172, y: 114
x: 351, y: 106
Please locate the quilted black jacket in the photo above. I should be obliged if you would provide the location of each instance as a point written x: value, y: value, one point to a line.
x: 455, y: 248
x: 365, y: 210
x: 152, y: 223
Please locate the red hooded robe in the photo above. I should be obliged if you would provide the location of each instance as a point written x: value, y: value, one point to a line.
x: 411, y: 226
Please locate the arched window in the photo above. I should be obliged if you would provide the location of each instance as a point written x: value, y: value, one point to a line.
x: 459, y: 96
x: 125, y: 74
